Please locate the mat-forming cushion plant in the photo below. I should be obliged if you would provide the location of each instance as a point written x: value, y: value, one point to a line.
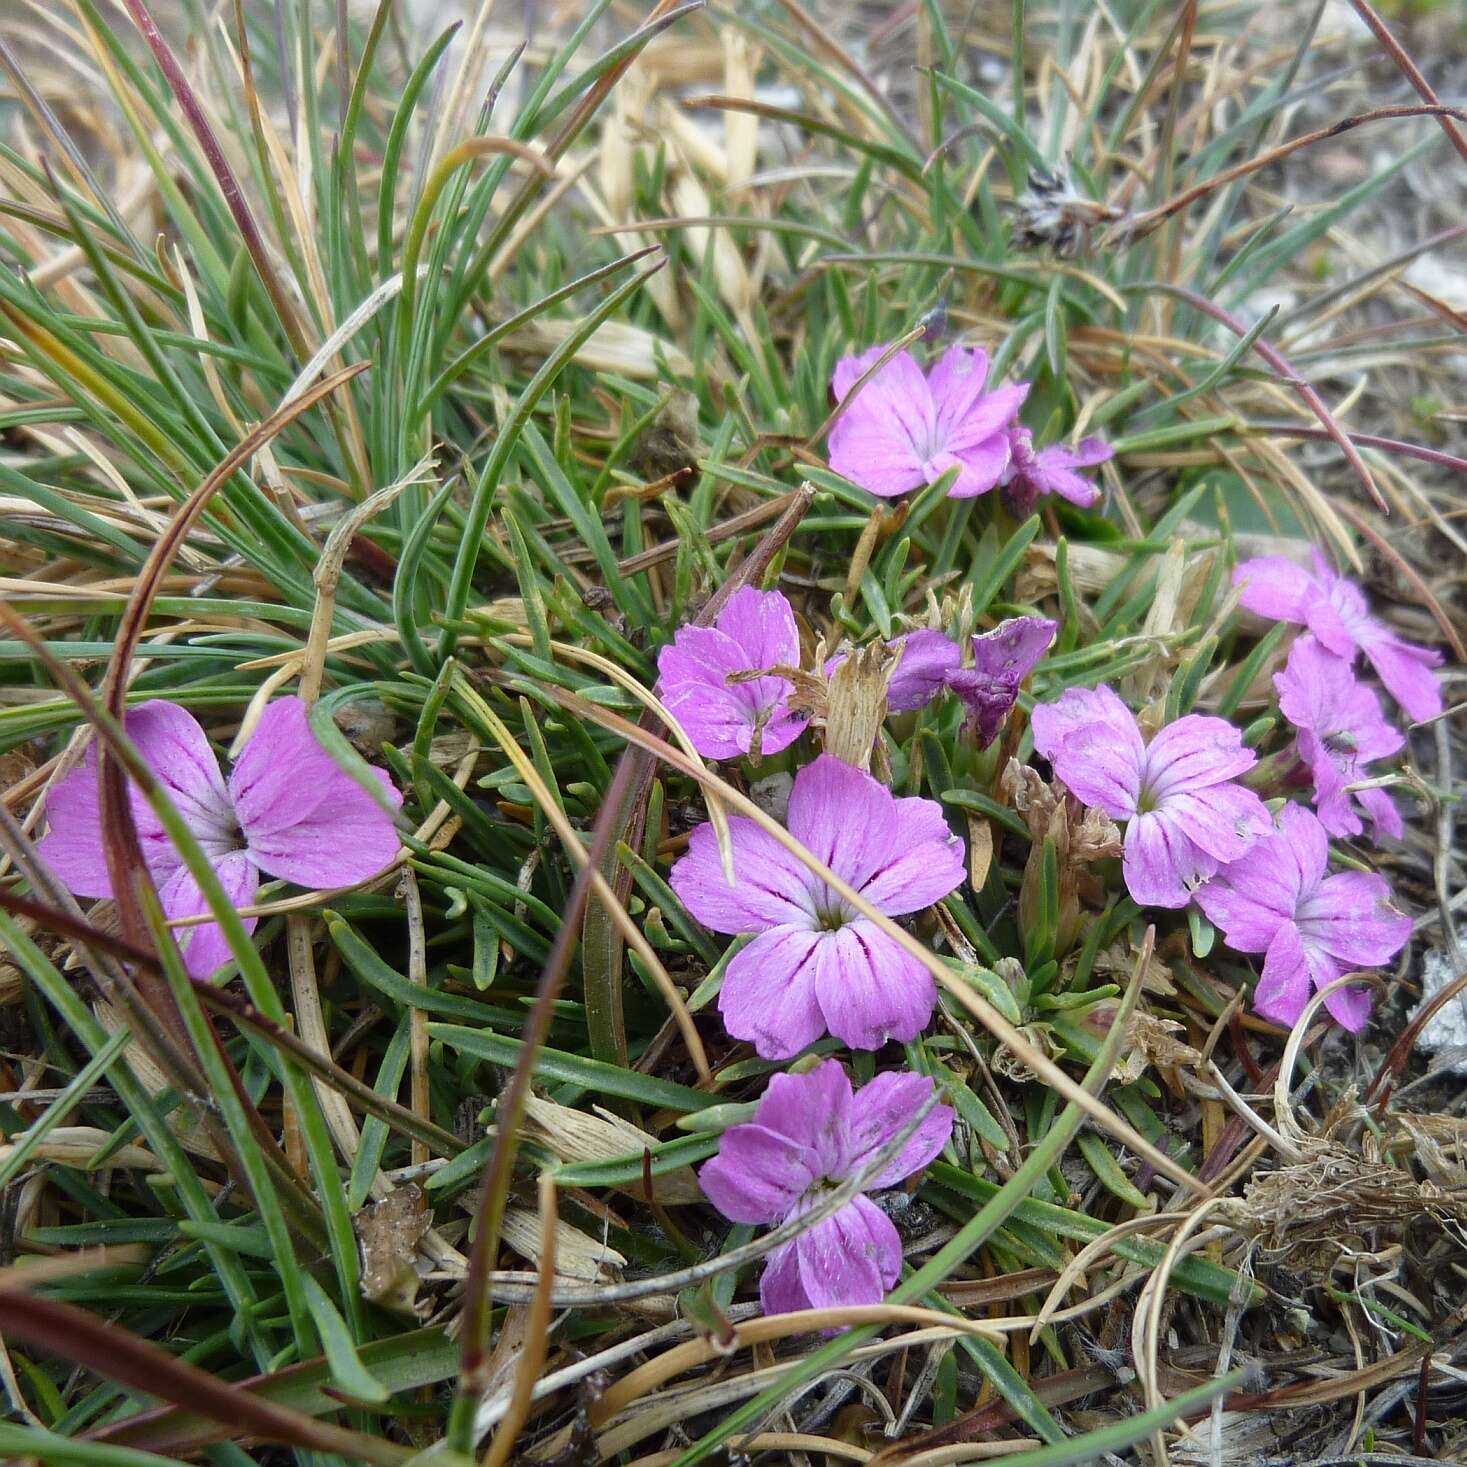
x: 637, y: 726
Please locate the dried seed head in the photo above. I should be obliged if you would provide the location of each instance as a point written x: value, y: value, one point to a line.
x: 1081, y: 836
x: 857, y: 703
x: 1049, y: 214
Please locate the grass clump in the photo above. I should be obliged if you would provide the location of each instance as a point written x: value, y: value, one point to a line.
x: 443, y: 383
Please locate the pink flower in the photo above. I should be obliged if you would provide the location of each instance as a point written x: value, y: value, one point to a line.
x: 1002, y: 659
x: 1185, y: 816
x: 810, y: 1134
x: 288, y: 810
x: 817, y: 965
x: 1311, y: 928
x: 904, y: 430
x: 755, y: 630
x: 922, y: 672
x: 1051, y: 471
x: 1340, y: 731
x: 1334, y: 609
x: 928, y: 658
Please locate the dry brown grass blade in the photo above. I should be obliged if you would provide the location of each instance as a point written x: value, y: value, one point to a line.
x: 537, y: 1335
x: 658, y: 1371
x: 1140, y: 225
x: 1398, y: 53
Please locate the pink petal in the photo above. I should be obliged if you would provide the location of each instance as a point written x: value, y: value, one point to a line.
x: 870, y: 990
x: 780, y: 1288
x: 924, y: 859
x: 1053, y: 477
x: 762, y: 623
x: 875, y: 458
x: 1350, y: 1007
x: 177, y: 751
x: 988, y: 418
x: 1225, y: 821
x: 882, y: 1109
x: 1331, y: 803
x: 1088, y: 453
x: 1276, y: 588
x: 1350, y: 918
x: 1318, y: 691
x: 304, y: 818
x: 204, y: 947
x: 1091, y: 739
x: 771, y: 888
x: 881, y: 440
x: 73, y: 846
x: 900, y: 381
x: 1406, y: 670
x: 1161, y: 866
x: 1052, y: 470
x: 852, y: 1257
x: 1383, y: 813
x: 1248, y: 920
x: 1251, y: 898
x: 926, y: 659
x: 1283, y: 986
x: 758, y: 1176
x: 957, y: 380
x: 718, y: 714
x: 768, y: 993
x: 1010, y: 651
x: 814, y: 1110
x: 980, y: 466
x: 1194, y: 753
x: 843, y: 816
x: 1330, y: 628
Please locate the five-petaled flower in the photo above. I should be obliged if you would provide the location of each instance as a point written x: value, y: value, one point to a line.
x: 1185, y: 817
x: 723, y: 714
x: 1032, y: 472
x: 817, y: 965
x: 1340, y: 730
x: 1311, y: 928
x: 1002, y: 659
x: 1334, y: 609
x: 810, y: 1134
x: 288, y: 809
x: 904, y: 430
